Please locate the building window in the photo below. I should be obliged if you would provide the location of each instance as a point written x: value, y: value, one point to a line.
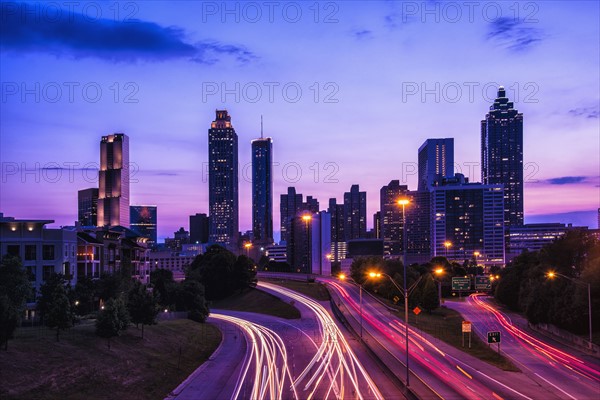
x: 13, y: 250
x: 48, y: 252
x: 30, y: 252
x: 48, y: 270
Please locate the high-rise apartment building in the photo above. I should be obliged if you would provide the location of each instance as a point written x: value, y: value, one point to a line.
x: 502, y: 155
x: 262, y: 190
x: 223, y: 181
x: 113, y: 180
x: 355, y: 214
x: 290, y: 204
x: 87, y: 207
x: 338, y: 241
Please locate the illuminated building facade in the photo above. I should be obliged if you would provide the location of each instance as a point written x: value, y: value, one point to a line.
x: 113, y: 180
x: 262, y: 190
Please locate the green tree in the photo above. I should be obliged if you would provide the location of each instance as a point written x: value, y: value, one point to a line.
x: 214, y: 269
x: 194, y: 300
x: 54, y: 304
x: 243, y: 274
x: 429, y: 294
x: 84, y: 293
x: 113, y: 320
x: 142, y: 305
x: 163, y: 285
x: 15, y: 289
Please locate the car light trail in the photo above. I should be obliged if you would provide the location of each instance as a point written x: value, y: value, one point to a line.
x: 334, y: 371
x: 268, y: 355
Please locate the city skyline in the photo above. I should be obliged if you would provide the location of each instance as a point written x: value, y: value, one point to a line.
x: 560, y: 132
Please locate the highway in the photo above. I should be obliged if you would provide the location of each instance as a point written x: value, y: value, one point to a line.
x: 566, y: 373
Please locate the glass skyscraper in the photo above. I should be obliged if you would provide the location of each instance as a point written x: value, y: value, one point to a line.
x: 223, y: 181
x: 143, y: 221
x: 502, y: 155
x: 436, y: 161
x: 113, y: 181
x: 262, y: 190
x: 355, y: 214
x: 87, y: 207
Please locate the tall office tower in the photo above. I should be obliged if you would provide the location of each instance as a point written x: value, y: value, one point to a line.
x: 391, y: 217
x: 87, y: 207
x: 418, y: 227
x: 355, y: 214
x: 262, y: 190
x: 377, y: 225
x: 470, y: 216
x: 113, y: 180
x: 199, y: 228
x: 223, y: 181
x: 297, y: 244
x: 338, y: 241
x: 598, y: 218
x: 289, y: 206
x: 311, y: 204
x: 502, y: 155
x: 436, y: 161
x: 143, y: 221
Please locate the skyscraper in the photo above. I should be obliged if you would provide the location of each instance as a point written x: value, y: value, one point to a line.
x: 338, y: 238
x: 113, y: 180
x: 436, y: 161
x: 87, y: 207
x: 311, y: 204
x: 391, y: 217
x: 290, y: 204
x: 199, y: 228
x: 355, y: 214
x: 262, y: 190
x: 502, y: 155
x: 143, y: 220
x: 223, y: 180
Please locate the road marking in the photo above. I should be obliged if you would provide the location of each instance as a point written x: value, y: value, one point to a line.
x: 464, y: 372
x: 496, y: 396
x: 574, y: 398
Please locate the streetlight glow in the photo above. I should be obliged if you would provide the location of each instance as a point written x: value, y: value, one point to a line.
x: 306, y: 217
x: 439, y: 271
x: 342, y: 276
x: 551, y: 274
x: 374, y: 274
x: 403, y: 202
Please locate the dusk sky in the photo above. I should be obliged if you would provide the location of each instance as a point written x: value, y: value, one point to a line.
x: 348, y: 92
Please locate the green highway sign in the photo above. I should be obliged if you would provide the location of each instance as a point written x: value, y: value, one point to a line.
x: 493, y: 337
x: 460, y: 283
x: 483, y: 283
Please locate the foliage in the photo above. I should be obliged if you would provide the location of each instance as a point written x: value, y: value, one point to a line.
x: 163, y: 286
x: 524, y: 286
x: 222, y: 273
x: 142, y: 305
x: 113, y: 320
x: 429, y: 294
x: 84, y: 292
x: 14, y: 292
x: 54, y: 304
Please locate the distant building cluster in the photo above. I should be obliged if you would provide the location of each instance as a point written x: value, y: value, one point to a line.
x: 445, y: 216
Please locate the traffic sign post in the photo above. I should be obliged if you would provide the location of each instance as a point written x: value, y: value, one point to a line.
x: 466, y: 328
x: 494, y: 337
x: 483, y: 283
x: 460, y: 283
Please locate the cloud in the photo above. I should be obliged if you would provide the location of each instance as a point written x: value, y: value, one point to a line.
x: 362, y: 34
x: 587, y: 112
x: 513, y: 34
x: 566, y: 180
x: 77, y: 36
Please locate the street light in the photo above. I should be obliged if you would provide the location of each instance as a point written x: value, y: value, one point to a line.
x: 439, y: 272
x: 552, y: 275
x: 248, y: 246
x: 343, y: 277
x: 447, y: 244
x: 404, y: 203
x: 307, y: 218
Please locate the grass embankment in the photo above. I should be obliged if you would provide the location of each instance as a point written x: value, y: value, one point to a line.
x: 254, y: 300
x: 313, y: 290
x: 446, y: 325
x: 81, y: 366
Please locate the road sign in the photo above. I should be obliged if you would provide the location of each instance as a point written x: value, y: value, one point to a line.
x: 396, y: 299
x: 493, y: 337
x: 417, y: 310
x: 466, y: 326
x: 460, y: 283
x: 483, y: 283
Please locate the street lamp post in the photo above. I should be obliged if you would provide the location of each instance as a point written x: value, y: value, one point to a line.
x: 307, y: 218
x: 247, y: 246
x: 552, y: 274
x: 447, y: 244
x: 360, y: 290
x: 439, y: 272
x: 403, y: 203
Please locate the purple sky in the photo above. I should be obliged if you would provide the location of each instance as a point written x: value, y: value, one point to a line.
x: 376, y: 80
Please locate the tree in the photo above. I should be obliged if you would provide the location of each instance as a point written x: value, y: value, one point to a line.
x: 243, y: 274
x: 215, y: 270
x: 193, y: 298
x: 142, y: 305
x: 84, y: 292
x: 54, y: 304
x: 163, y: 286
x: 15, y: 289
x: 113, y: 320
x: 429, y: 294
